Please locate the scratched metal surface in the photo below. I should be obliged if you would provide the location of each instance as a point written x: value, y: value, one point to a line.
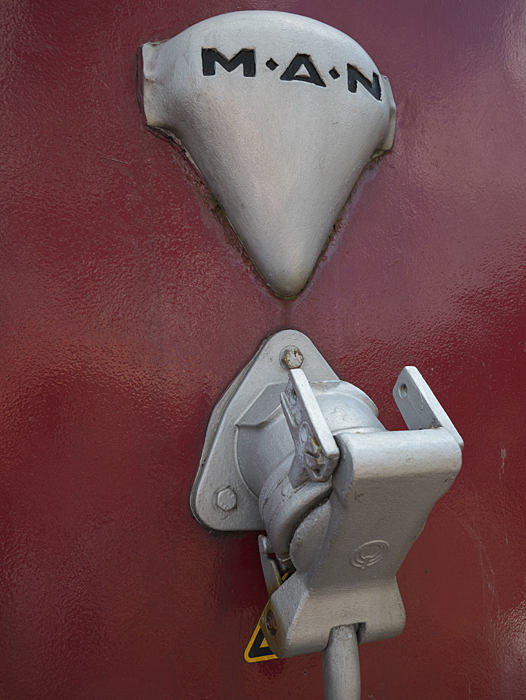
x: 127, y: 309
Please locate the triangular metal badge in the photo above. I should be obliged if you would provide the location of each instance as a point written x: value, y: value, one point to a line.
x: 280, y: 113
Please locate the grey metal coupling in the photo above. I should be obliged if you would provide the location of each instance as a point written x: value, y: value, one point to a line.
x: 293, y: 450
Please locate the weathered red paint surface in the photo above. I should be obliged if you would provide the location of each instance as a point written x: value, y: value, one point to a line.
x: 126, y: 311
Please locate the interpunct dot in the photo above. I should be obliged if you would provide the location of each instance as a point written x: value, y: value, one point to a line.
x: 271, y: 63
x: 334, y: 73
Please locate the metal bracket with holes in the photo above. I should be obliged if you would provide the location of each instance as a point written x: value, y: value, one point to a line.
x: 316, y: 454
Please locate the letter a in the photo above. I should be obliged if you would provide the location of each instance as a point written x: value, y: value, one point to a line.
x: 303, y: 60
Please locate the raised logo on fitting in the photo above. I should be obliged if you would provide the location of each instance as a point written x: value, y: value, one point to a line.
x: 369, y: 554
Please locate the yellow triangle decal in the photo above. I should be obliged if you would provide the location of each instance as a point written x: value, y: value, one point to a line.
x: 258, y: 648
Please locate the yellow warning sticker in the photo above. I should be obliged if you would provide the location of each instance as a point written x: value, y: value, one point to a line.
x: 258, y: 648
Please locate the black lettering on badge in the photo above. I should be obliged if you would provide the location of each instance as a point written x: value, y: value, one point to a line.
x: 354, y: 77
x: 245, y: 57
x: 310, y: 74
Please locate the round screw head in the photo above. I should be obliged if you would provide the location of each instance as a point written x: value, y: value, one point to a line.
x: 226, y: 499
x: 271, y: 623
x: 291, y: 358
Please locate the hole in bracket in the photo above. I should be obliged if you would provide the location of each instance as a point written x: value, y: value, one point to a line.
x: 402, y: 390
x: 360, y: 631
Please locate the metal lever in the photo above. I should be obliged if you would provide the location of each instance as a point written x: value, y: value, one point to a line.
x: 340, y: 660
x: 341, y: 665
x: 316, y: 454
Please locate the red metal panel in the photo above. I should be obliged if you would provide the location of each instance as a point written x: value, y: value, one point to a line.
x: 127, y: 309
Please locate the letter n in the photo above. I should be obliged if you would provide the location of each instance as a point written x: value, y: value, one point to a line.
x: 354, y: 77
x: 245, y: 57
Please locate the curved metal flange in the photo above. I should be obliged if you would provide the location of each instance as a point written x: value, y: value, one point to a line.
x: 219, y: 471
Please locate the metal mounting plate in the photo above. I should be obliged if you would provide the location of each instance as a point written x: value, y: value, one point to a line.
x: 218, y: 468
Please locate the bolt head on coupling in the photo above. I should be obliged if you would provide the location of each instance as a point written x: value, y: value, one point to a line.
x: 291, y: 357
x: 226, y: 499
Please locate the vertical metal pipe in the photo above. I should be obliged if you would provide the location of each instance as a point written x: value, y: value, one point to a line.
x: 341, y: 665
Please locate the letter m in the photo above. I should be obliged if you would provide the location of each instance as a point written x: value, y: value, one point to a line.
x: 246, y: 57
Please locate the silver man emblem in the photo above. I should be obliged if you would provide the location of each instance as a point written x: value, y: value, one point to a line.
x: 280, y: 113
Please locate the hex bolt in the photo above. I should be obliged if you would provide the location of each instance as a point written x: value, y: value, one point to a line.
x: 291, y: 357
x: 226, y: 499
